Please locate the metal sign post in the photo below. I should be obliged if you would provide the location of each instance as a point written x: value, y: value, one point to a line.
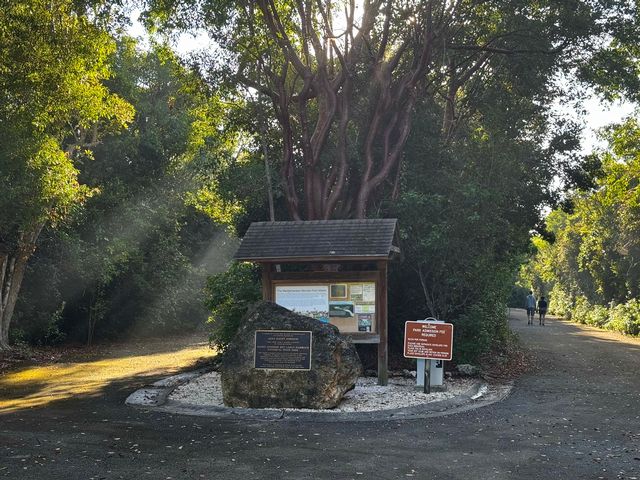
x: 427, y: 377
x: 425, y: 364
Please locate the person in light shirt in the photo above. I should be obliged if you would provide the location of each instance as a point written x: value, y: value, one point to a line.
x: 530, y: 305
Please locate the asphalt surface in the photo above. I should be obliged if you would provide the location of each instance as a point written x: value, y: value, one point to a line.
x: 577, y: 417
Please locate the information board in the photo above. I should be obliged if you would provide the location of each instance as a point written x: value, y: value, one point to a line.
x: 282, y: 350
x: 309, y: 300
x: 428, y: 340
x: 350, y: 306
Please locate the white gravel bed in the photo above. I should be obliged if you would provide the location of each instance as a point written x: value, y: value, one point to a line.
x: 367, y: 396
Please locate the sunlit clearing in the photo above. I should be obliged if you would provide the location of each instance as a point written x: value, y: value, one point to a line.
x: 39, y: 386
x: 212, y: 259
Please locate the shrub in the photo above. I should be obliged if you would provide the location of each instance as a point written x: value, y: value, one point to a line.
x: 482, y: 329
x: 229, y: 295
x: 598, y: 316
x: 625, y: 318
x: 581, y: 310
x: 560, y: 302
x: 517, y: 297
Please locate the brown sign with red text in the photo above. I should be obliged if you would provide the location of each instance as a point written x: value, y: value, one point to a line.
x: 428, y: 340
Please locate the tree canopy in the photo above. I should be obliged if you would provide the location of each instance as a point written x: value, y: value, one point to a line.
x: 593, y: 259
x: 53, y: 109
x: 344, y: 78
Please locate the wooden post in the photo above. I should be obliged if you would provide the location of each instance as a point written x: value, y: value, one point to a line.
x: 267, y: 285
x: 381, y: 315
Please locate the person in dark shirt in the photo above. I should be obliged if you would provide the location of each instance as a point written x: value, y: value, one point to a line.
x: 542, y: 309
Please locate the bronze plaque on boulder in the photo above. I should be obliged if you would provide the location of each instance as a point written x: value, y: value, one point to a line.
x: 282, y: 350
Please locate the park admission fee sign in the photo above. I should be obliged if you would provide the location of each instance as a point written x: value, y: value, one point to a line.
x: 428, y: 340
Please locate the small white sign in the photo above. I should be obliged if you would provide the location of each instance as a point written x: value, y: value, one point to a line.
x: 369, y: 292
x: 365, y: 308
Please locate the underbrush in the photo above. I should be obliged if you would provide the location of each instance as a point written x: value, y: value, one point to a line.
x: 622, y: 318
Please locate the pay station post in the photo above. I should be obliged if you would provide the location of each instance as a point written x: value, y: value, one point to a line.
x: 436, y: 370
x: 429, y: 340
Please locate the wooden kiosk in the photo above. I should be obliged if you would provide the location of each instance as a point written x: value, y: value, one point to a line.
x: 332, y: 270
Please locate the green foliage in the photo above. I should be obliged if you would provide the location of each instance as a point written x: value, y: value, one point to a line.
x: 474, y: 173
x: 581, y: 310
x: 592, y: 262
x: 352, y: 91
x: 598, y: 316
x: 139, y: 205
x: 614, y: 69
x: 54, y: 108
x: 465, y: 215
x: 625, y: 318
x: 134, y: 259
x: 560, y: 302
x: 53, y: 335
x: 229, y: 295
x: 518, y: 297
x: 481, y: 329
x: 52, y: 66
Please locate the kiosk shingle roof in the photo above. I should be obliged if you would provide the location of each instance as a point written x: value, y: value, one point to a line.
x: 318, y: 240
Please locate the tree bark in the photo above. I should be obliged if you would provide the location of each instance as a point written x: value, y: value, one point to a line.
x: 315, y: 85
x: 12, y: 268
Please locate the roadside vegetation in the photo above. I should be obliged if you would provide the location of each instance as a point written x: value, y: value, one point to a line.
x: 587, y: 256
x: 589, y: 265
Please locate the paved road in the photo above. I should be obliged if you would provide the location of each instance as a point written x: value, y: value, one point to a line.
x: 578, y: 417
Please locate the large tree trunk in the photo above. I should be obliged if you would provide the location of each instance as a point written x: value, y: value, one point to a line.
x: 12, y: 268
x: 312, y: 94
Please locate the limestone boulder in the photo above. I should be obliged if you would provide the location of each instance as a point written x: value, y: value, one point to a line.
x: 335, y: 365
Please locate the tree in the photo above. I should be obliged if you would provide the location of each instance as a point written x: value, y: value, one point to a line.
x: 132, y: 259
x: 614, y: 69
x: 344, y: 77
x: 466, y: 209
x: 595, y: 254
x: 429, y: 111
x: 53, y: 109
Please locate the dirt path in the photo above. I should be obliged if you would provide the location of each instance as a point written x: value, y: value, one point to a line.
x: 88, y: 374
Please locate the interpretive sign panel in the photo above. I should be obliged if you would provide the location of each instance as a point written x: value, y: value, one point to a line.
x: 309, y: 300
x: 282, y: 350
x: 350, y: 306
x: 428, y: 340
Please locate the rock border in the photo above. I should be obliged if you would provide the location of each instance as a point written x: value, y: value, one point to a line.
x: 155, y: 397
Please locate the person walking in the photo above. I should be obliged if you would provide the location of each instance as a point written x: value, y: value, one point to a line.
x: 530, y: 305
x: 542, y: 309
